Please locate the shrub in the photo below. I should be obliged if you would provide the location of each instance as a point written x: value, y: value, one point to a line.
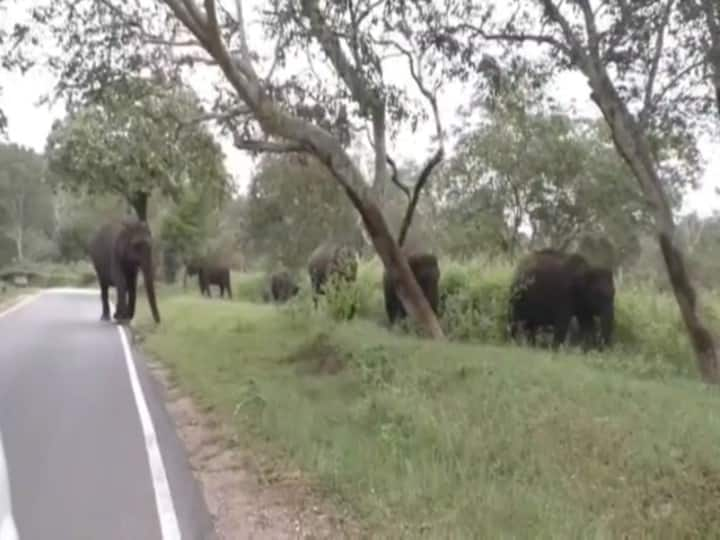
x: 248, y: 287
x: 650, y: 337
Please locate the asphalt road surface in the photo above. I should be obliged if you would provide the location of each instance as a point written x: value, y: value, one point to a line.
x: 91, y: 451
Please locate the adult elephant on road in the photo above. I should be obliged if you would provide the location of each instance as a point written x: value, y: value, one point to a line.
x: 426, y: 270
x: 118, y: 250
x: 551, y: 287
x: 210, y: 273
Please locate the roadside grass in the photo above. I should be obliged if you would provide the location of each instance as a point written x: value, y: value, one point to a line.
x: 452, y: 440
x: 9, y: 294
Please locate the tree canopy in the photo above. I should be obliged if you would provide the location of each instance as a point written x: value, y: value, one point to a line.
x: 26, y: 205
x: 290, y: 197
x: 130, y: 140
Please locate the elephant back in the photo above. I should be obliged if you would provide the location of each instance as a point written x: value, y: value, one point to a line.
x: 328, y: 259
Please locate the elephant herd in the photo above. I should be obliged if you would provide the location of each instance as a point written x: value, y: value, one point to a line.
x: 549, y: 289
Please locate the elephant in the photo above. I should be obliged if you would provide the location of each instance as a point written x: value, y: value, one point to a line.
x: 209, y: 273
x: 118, y: 250
x: 426, y: 270
x: 551, y: 287
x: 282, y: 287
x: 328, y: 260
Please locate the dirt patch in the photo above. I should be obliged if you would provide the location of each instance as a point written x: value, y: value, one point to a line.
x: 248, y: 495
x: 317, y: 357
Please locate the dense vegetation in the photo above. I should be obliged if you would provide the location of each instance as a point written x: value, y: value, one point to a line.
x: 475, y: 435
x: 430, y: 440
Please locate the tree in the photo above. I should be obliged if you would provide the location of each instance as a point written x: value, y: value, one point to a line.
x: 187, y: 230
x: 555, y: 175
x: 705, y: 47
x: 646, y: 84
x: 77, y: 218
x: 25, y: 199
x: 128, y: 141
x: 284, y: 109
x: 293, y: 205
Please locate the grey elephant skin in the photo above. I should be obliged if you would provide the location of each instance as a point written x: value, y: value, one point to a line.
x: 426, y: 270
x: 118, y: 251
x: 282, y: 287
x: 331, y: 260
x: 209, y: 273
x: 551, y: 287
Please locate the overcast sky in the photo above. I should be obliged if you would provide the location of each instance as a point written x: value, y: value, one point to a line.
x: 29, y: 124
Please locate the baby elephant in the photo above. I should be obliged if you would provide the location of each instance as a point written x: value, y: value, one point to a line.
x: 426, y: 270
x: 210, y: 274
x: 282, y: 287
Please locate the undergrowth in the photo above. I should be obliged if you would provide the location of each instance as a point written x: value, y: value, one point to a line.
x: 457, y: 440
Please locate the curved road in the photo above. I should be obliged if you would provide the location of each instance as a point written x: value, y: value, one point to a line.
x: 91, y: 451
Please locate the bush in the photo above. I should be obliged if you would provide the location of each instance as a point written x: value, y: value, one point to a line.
x: 650, y: 337
x: 248, y: 287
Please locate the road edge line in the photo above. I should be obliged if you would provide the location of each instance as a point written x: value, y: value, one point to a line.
x: 169, y: 527
x: 19, y: 304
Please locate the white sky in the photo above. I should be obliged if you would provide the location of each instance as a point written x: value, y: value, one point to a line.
x: 29, y: 124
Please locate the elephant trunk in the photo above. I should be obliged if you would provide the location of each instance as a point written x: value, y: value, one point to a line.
x: 149, y: 279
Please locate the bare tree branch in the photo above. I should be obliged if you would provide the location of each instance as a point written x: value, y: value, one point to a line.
x: 396, y: 180
x: 654, y: 64
x: 268, y: 147
x: 422, y: 180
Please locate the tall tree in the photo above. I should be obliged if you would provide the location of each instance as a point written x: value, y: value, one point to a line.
x: 129, y: 141
x: 646, y: 84
x: 280, y: 104
x: 25, y: 199
x: 287, y: 220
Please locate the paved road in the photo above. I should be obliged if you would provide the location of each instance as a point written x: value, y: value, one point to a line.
x: 91, y: 451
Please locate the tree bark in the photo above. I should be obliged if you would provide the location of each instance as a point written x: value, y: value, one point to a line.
x: 19, y: 243
x: 396, y: 265
x: 712, y: 13
x: 311, y: 138
x: 633, y: 147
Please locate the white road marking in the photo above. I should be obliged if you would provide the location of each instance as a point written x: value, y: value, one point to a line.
x: 163, y: 499
x: 169, y: 528
x: 18, y: 305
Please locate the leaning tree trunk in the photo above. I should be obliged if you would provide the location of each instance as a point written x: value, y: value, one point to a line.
x: 396, y: 265
x: 632, y: 145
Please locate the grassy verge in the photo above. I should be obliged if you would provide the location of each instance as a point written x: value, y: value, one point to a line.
x: 9, y: 294
x: 454, y: 440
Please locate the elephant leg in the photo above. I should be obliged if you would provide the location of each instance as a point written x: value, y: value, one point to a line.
x: 121, y: 288
x: 104, y: 290
x: 560, y: 329
x: 530, y: 331
x: 588, y: 333
x: 229, y: 288
x: 132, y: 277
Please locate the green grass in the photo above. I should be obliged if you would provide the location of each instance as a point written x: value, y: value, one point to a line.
x: 454, y: 440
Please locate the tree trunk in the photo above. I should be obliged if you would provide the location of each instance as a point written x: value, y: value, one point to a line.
x: 396, y: 265
x: 632, y: 145
x: 712, y: 12
x: 19, y: 243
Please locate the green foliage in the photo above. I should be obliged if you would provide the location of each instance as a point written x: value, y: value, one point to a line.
x: 406, y: 430
x: 293, y: 205
x: 136, y: 138
x: 526, y: 168
x: 48, y: 274
x: 26, y: 204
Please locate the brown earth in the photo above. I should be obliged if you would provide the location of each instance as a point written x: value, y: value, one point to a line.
x: 249, y: 496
